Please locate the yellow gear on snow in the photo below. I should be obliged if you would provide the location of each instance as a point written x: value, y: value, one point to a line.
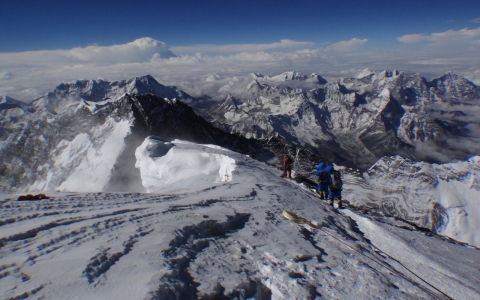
x: 297, y: 219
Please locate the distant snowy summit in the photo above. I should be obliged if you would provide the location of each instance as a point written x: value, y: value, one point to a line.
x: 94, y: 94
x: 290, y: 76
x: 358, y: 120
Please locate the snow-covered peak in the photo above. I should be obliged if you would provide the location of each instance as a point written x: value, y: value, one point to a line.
x: 230, y: 103
x: 288, y: 76
x: 315, y: 78
x: 68, y: 96
x: 8, y: 102
x: 257, y: 88
x: 365, y: 73
x: 457, y: 87
x: 256, y: 75
x: 148, y: 85
x: 213, y: 78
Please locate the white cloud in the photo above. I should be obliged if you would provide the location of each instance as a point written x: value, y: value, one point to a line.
x: 239, y: 48
x: 27, y: 75
x: 412, y: 38
x: 139, y: 50
x: 347, y: 45
x: 450, y: 37
x: 5, y: 75
x: 476, y: 20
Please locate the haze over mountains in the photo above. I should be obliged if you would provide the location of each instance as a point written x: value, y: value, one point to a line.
x: 360, y: 119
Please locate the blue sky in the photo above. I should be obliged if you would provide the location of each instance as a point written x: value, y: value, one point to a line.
x: 182, y: 42
x: 38, y: 25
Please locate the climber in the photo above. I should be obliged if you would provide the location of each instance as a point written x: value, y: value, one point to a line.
x: 335, y: 188
x: 324, y: 180
x: 287, y: 163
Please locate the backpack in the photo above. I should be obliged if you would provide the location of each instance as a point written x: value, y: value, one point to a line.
x: 324, y: 177
x: 287, y: 160
x: 337, y: 182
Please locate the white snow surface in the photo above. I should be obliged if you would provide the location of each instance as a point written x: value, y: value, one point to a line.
x: 183, y: 167
x: 214, y: 239
x: 86, y: 162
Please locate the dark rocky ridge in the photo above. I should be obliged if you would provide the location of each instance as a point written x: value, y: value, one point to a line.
x: 31, y: 148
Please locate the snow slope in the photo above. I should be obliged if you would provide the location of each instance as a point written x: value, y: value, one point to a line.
x: 211, y: 239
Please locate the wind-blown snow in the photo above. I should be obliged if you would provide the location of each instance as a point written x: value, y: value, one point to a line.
x: 215, y: 240
x: 419, y: 254
x: 181, y: 168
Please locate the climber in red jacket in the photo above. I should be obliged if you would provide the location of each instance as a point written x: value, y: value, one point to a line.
x: 287, y: 163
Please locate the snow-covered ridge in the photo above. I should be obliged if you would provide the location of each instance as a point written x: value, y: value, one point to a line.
x: 444, y: 198
x: 292, y: 76
x: 218, y: 240
x: 94, y: 94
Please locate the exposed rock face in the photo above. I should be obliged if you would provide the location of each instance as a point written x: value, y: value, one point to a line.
x: 355, y: 121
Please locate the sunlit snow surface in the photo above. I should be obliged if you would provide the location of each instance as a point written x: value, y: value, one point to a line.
x: 86, y: 162
x: 185, y: 167
x: 216, y: 238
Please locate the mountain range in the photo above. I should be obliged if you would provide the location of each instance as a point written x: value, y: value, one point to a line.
x: 83, y: 135
x: 92, y: 128
x: 356, y: 121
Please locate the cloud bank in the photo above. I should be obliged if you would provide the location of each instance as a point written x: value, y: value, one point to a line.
x: 463, y: 37
x: 240, y: 48
x: 28, y: 75
x: 347, y: 45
